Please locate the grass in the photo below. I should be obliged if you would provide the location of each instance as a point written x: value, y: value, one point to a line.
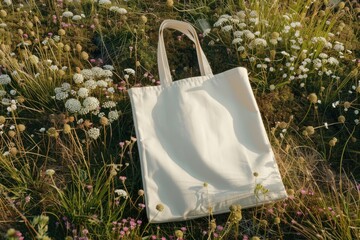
x: 69, y: 170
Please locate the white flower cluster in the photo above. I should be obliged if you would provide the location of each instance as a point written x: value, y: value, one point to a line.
x: 89, y: 94
x: 5, y: 79
x: 118, y: 10
x: 93, y: 133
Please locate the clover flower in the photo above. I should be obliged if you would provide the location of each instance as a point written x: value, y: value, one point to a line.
x: 91, y: 103
x: 73, y: 105
x: 94, y: 133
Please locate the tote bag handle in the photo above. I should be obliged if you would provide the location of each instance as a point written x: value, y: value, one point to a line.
x: 163, y: 64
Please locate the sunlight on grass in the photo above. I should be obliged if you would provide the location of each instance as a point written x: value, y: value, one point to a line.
x: 69, y: 167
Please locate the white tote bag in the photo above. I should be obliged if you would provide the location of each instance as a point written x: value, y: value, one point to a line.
x: 202, y: 143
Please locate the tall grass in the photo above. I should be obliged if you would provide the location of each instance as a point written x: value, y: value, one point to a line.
x: 69, y: 167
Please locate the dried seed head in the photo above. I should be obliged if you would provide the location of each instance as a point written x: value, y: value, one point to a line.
x: 277, y: 220
x: 341, y: 119
x: 169, y: 3
x: 143, y: 19
x: 312, y: 98
x: 179, y: 234
x: 332, y: 142
x: 67, y: 48
x: 20, y: 99
x: 291, y: 192
x: 347, y: 104
x: 78, y: 47
x: 310, y: 130
x: 275, y: 35
x: 11, y: 133
x: 160, y: 207
x: 13, y: 151
x: 104, y: 121
x: 212, y: 224
x: 341, y: 5
x: 21, y: 127
x: 141, y: 192
x: 2, y: 119
x: 61, y: 32
x: 84, y: 55
x: 3, y: 13
x: 67, y: 128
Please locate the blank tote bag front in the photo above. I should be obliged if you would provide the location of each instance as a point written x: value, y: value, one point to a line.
x: 202, y: 143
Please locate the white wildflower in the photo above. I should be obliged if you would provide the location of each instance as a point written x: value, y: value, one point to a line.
x: 5, y: 79
x: 339, y: 47
x: 90, y: 84
x: 121, y: 193
x: 113, y: 116
x: 241, y: 14
x: 227, y: 28
x: 7, y: 2
x: 102, y: 83
x: 272, y: 87
x: 257, y: 42
x: 2, y: 93
x: 108, y: 67
x: 91, y: 103
x: 65, y: 87
x: 42, y: 130
x: 83, y: 111
x: 87, y: 73
x: 76, y: 18
x: 78, y: 78
x: 94, y: 133
x: 253, y: 13
x: 254, y: 20
x: 3, y: 25
x: 50, y: 172
x: 241, y: 48
x: 129, y: 71
x: 237, y: 40
x: 83, y: 92
x: 109, y: 104
x: 242, y: 25
x: 67, y: 14
x: 220, y: 21
x: 323, y: 55
x: 333, y: 61
x: 54, y: 68
x: 104, y: 2
x: 249, y: 35
x: 108, y: 73
x: 98, y: 72
x: 238, y: 34
x: 61, y: 95
x: 111, y: 90
x: 73, y: 105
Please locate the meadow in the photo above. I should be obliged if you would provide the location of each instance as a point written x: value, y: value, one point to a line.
x: 69, y: 166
